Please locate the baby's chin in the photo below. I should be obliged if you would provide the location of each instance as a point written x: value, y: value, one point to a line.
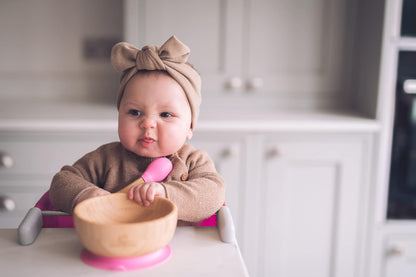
x: 147, y: 152
x: 150, y: 154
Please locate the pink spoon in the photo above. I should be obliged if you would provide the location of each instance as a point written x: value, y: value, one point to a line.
x: 156, y: 171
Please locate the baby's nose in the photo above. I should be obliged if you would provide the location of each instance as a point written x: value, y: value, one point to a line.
x: 148, y: 122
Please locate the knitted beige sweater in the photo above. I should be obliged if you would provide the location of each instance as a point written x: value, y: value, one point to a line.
x: 193, y: 185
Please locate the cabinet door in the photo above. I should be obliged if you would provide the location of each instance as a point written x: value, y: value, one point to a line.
x: 282, y: 50
x: 294, y: 47
x: 211, y: 29
x: 400, y: 257
x: 312, y: 199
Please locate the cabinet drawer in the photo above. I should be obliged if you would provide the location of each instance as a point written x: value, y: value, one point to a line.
x: 44, y: 154
x: 400, y: 256
x: 24, y: 198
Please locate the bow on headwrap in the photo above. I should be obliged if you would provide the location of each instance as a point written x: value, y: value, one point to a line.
x: 171, y: 57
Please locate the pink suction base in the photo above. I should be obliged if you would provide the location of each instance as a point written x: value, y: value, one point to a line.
x: 126, y: 264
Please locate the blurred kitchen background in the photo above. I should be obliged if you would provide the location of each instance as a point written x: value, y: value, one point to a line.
x: 55, y: 50
x: 59, y: 49
x: 300, y: 113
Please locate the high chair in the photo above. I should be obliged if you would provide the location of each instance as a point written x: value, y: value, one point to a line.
x: 45, y: 215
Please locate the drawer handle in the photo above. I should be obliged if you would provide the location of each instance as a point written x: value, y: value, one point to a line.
x: 6, y: 160
x: 6, y: 204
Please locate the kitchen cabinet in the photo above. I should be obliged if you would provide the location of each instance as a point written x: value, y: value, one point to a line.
x: 391, y: 248
x: 262, y: 53
x: 306, y: 205
x: 296, y: 196
x: 34, y: 158
x: 400, y: 254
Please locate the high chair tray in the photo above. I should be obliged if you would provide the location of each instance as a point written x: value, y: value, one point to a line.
x: 196, y: 251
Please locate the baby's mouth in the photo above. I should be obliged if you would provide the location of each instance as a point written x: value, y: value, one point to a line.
x: 147, y: 141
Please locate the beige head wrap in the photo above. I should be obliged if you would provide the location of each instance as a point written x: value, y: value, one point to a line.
x: 171, y: 57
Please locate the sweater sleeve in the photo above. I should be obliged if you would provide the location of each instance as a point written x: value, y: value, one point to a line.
x: 195, y: 186
x: 82, y: 178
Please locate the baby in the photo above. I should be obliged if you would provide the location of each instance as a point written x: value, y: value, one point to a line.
x: 158, y: 106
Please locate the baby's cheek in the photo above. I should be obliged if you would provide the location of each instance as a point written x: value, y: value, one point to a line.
x: 127, y: 137
x: 173, y: 141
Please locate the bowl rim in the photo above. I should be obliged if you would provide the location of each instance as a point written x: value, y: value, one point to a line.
x: 171, y: 213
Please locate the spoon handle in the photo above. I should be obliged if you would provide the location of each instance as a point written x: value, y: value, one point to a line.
x: 135, y: 182
x: 156, y: 171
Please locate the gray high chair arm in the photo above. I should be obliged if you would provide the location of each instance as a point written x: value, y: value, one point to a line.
x: 31, y: 225
x: 225, y: 225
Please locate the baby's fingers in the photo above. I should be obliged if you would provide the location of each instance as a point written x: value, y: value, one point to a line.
x: 151, y: 192
x: 145, y: 194
x: 136, y: 194
x: 148, y: 193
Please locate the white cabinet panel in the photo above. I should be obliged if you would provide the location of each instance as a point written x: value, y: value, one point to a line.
x: 313, y: 206
x: 299, y: 217
x: 24, y: 195
x: 42, y: 155
x: 205, y: 17
x: 400, y: 254
x: 207, y: 27
x: 295, y: 46
x: 262, y: 53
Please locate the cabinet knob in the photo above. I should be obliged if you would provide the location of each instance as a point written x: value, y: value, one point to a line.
x: 255, y: 83
x: 234, y: 83
x: 6, y: 204
x: 273, y: 153
x: 6, y: 160
x: 395, y: 251
x: 229, y: 152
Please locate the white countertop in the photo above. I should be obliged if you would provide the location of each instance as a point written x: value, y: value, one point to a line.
x: 60, y: 116
x: 196, y: 251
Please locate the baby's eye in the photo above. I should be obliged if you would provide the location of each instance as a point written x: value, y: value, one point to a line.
x: 165, y: 114
x: 134, y: 112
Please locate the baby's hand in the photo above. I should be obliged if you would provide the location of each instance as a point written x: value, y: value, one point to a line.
x: 144, y: 194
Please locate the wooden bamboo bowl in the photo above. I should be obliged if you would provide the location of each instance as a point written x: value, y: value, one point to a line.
x: 123, y: 228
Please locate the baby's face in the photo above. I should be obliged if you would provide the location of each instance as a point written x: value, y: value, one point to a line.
x: 154, y: 117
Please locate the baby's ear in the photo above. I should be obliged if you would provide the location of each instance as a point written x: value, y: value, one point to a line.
x: 190, y: 134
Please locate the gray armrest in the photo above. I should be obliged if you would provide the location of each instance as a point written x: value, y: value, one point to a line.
x: 225, y: 225
x: 30, y: 226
